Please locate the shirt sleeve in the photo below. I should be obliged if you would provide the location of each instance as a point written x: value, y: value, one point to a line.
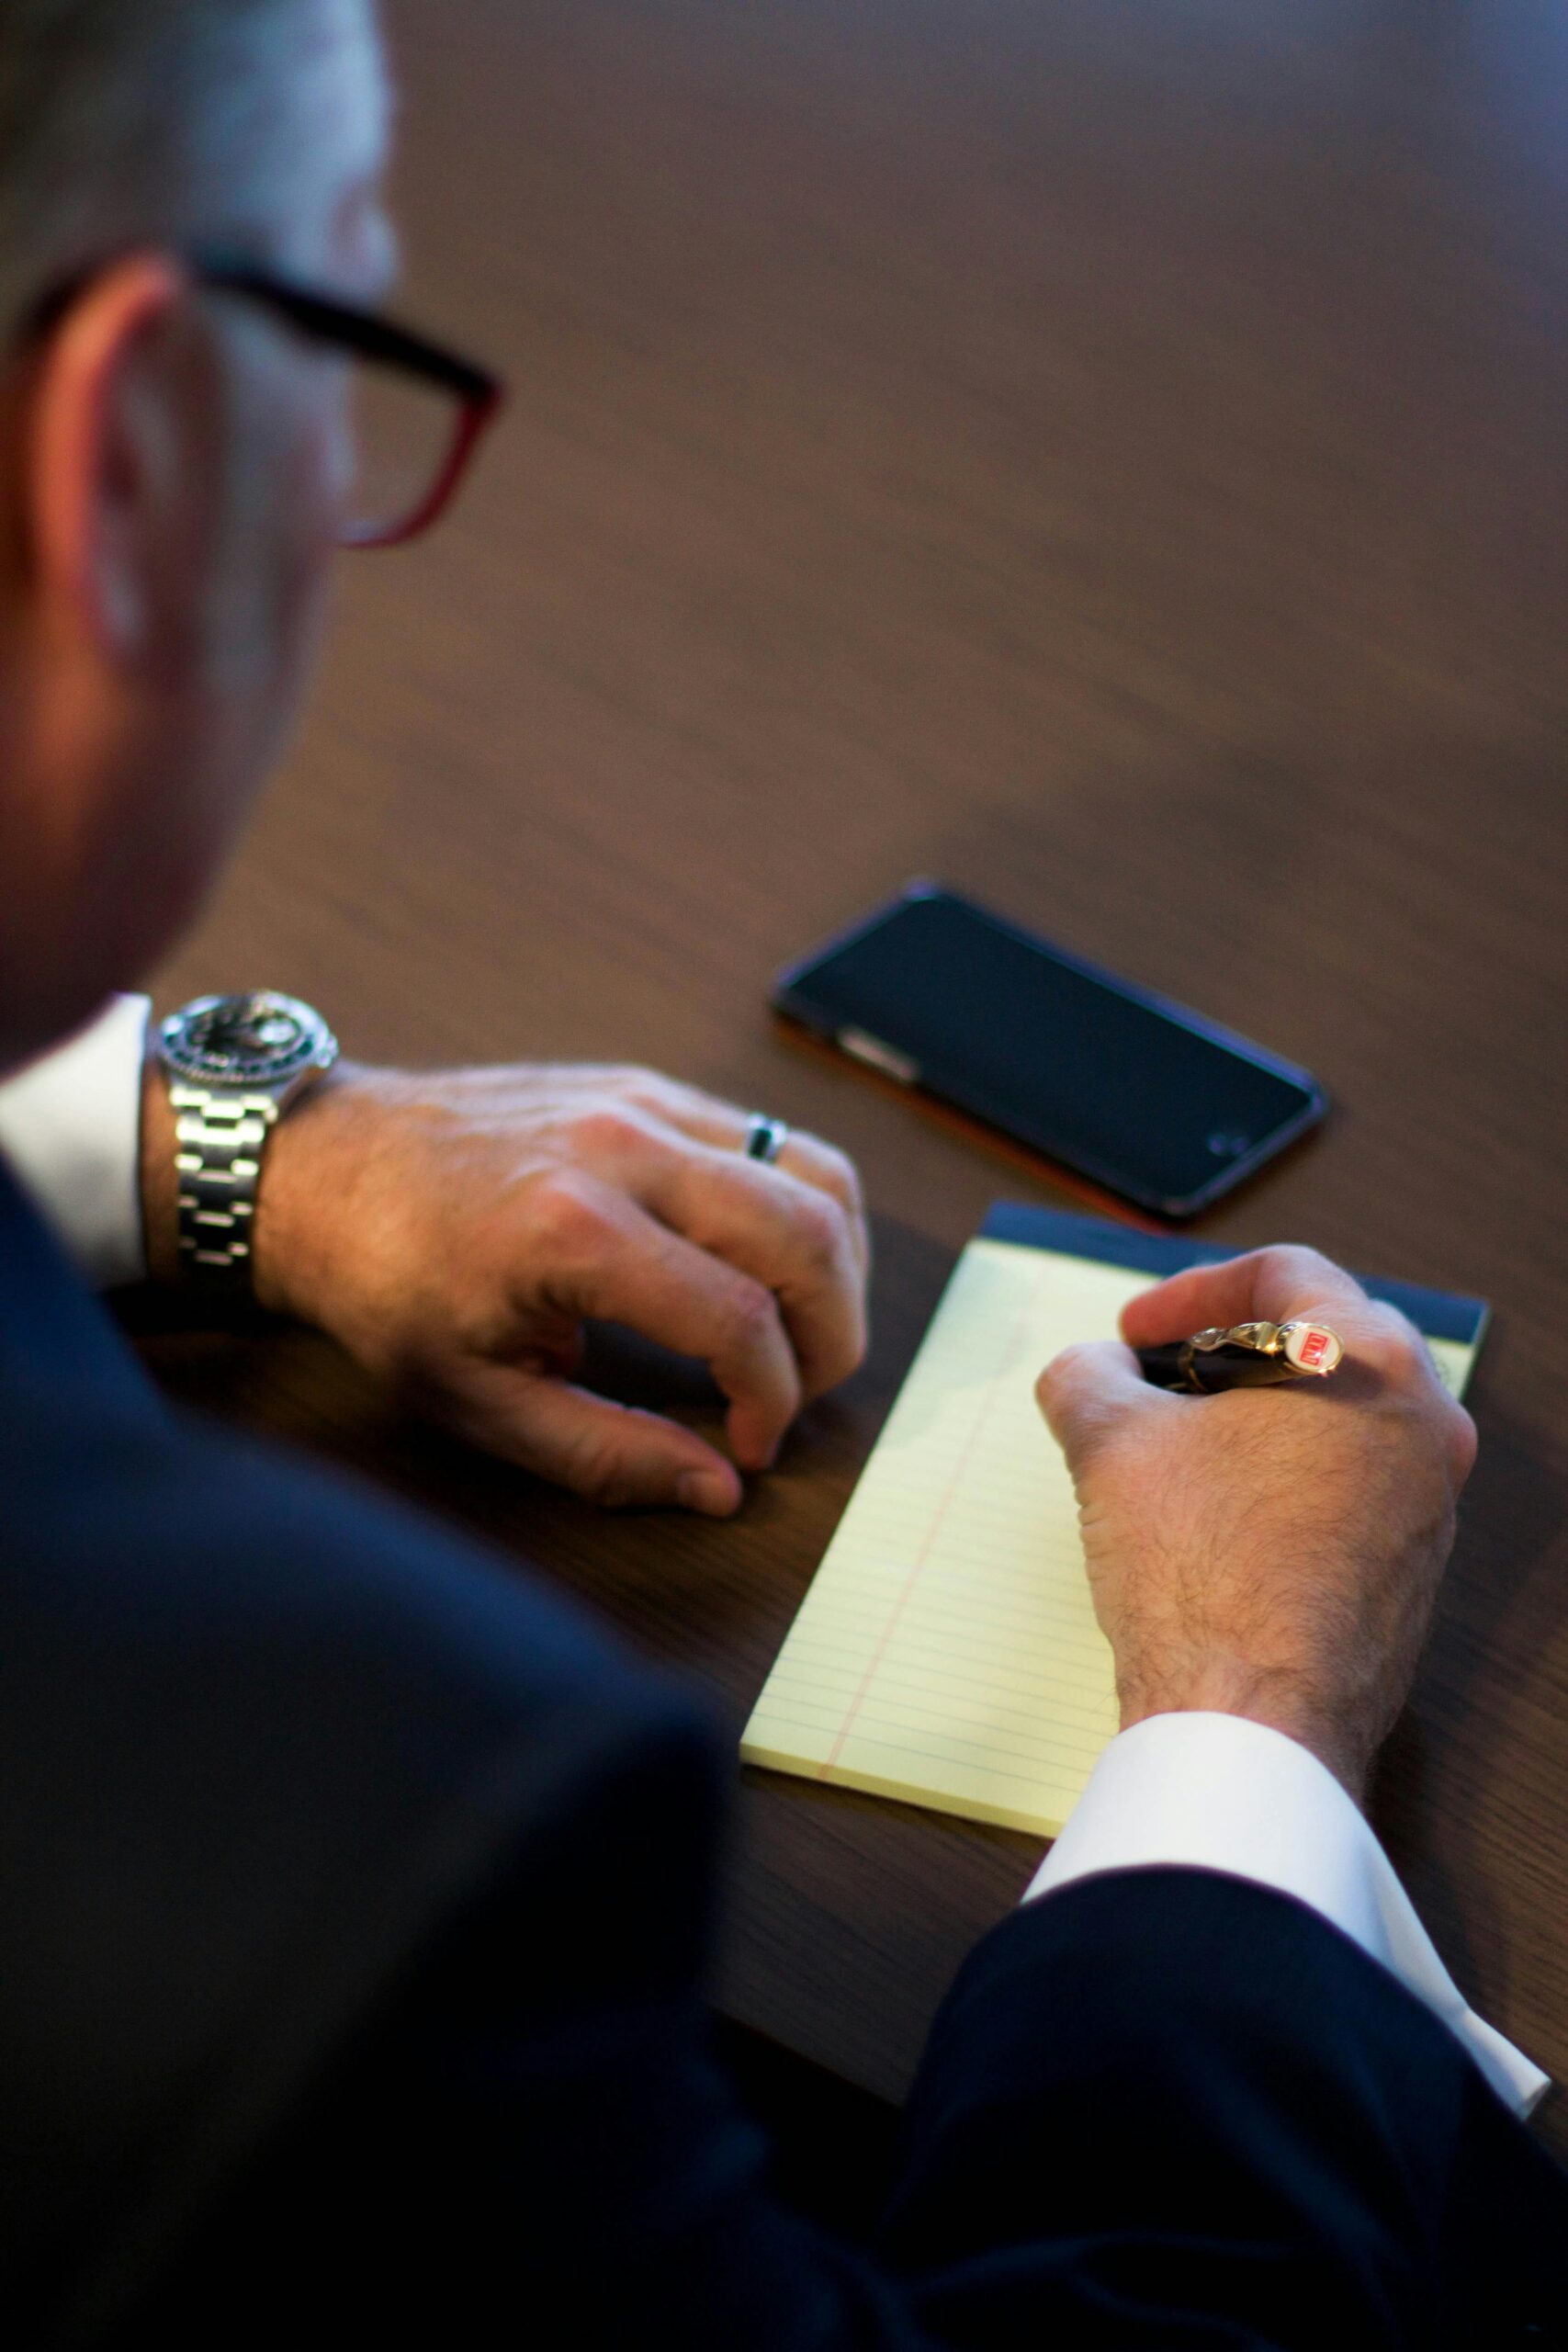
x: 1219, y: 1793
x: 71, y: 1126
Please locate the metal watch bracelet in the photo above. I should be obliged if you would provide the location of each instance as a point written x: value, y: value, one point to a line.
x: 219, y: 1139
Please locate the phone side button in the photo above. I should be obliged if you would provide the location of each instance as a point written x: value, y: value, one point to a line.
x: 877, y: 1055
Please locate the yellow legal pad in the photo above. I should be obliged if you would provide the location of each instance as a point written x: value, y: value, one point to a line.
x: 947, y: 1652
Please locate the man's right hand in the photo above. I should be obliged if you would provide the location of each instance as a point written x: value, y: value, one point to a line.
x: 1270, y: 1552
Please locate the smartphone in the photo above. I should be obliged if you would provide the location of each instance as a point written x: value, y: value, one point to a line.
x: 1134, y: 1092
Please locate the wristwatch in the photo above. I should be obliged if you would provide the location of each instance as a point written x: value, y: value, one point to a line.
x: 234, y: 1064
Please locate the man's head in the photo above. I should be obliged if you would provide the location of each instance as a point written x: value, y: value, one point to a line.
x: 172, y: 463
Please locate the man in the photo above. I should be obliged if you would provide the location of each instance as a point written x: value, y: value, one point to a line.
x: 353, y: 1894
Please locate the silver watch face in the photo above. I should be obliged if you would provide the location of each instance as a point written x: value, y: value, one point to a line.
x: 259, y: 1040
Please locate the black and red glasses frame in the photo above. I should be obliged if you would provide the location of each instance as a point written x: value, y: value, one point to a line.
x: 322, y: 318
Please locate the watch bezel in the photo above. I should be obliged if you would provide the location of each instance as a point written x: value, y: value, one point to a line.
x: 269, y: 1072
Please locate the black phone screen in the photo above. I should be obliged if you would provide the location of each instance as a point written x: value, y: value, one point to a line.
x: 1133, y: 1090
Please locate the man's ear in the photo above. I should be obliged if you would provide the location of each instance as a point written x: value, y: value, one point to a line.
x: 105, y: 455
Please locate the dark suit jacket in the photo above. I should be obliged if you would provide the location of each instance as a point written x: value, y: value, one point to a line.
x: 353, y: 1903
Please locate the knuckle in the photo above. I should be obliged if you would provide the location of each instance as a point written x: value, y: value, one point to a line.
x: 1297, y: 1266
x: 819, y: 1229
x: 840, y: 1175
x: 1395, y: 1366
x: 603, y: 1131
x: 843, y: 1353
x: 645, y: 1090
x: 567, y: 1217
x: 750, y: 1319
x: 1397, y: 1350
x: 1464, y: 1442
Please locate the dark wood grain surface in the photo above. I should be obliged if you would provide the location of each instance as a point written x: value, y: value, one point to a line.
x: 1111, y: 458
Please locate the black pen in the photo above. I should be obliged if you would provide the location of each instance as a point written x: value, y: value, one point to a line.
x: 1244, y: 1355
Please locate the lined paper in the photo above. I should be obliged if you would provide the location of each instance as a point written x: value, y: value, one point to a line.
x: 947, y: 1652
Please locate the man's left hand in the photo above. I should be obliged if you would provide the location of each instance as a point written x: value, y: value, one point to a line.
x: 454, y: 1230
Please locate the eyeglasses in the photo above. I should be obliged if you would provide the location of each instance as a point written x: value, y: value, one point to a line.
x: 418, y: 410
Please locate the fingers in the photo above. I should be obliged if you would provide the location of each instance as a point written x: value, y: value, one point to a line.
x: 796, y: 1240
x: 1268, y: 1284
x: 607, y: 1257
x: 704, y: 1119
x: 1279, y: 1283
x: 831, y: 1171
x: 608, y: 1453
x: 1087, y: 1392
x: 803, y: 1241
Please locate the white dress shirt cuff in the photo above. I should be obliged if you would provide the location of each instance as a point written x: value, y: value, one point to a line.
x: 71, y: 1126
x: 1212, y: 1792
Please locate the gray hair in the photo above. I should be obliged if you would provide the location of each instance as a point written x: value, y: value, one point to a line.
x: 125, y: 122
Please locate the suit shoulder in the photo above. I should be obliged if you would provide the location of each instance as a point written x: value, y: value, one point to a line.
x: 263, y: 1736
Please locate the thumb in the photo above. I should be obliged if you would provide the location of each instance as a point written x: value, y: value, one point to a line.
x: 1089, y: 1392
x: 611, y: 1455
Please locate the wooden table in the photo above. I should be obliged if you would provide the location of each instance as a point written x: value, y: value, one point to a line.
x: 1111, y: 458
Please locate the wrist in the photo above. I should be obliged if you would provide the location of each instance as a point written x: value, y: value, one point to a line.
x: 1272, y: 1696
x: 308, y: 1172
x: 283, y: 1246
